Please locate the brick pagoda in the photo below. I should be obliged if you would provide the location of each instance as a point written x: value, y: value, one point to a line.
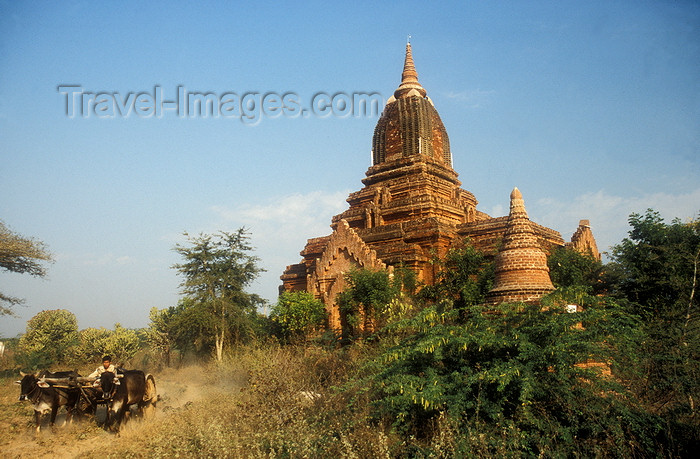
x: 412, y: 208
x: 521, y: 272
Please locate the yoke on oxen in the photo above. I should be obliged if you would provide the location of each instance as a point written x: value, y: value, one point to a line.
x: 90, y: 391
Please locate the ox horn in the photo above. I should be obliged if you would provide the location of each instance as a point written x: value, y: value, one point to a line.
x: 22, y: 374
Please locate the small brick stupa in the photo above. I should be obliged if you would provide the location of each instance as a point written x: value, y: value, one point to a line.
x: 521, y: 272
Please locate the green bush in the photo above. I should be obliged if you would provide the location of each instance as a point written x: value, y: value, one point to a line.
x: 298, y: 315
x: 51, y: 338
x: 363, y: 303
x: 570, y: 268
x: 530, y: 378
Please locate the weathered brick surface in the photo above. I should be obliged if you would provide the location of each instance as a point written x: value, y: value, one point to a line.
x: 344, y: 250
x: 583, y: 240
x: 410, y: 126
x: 521, y: 272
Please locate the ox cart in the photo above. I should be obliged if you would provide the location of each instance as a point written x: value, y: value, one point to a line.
x: 117, y: 393
x: 90, y: 397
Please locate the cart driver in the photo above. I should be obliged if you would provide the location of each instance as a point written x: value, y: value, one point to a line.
x: 106, y: 366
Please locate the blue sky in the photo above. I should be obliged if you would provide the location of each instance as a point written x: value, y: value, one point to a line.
x: 592, y: 109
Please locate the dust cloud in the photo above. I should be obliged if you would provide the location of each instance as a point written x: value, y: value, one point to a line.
x: 177, y: 387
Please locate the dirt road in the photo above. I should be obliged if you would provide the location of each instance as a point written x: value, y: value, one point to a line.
x: 177, y: 388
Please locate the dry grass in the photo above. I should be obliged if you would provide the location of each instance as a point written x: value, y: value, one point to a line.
x: 266, y: 401
x: 257, y: 404
x: 18, y: 438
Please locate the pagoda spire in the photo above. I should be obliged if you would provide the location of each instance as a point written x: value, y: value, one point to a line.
x: 409, y: 78
x: 521, y: 268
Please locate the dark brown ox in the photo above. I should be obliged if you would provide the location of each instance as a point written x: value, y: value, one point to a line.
x: 130, y: 387
x: 45, y: 397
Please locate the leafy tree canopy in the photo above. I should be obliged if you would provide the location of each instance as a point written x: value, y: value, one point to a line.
x: 298, y: 314
x: 21, y: 255
x: 365, y: 299
x: 464, y: 276
x: 655, y: 270
x: 216, y: 270
x: 159, y: 333
x: 92, y: 344
x: 657, y: 264
x: 122, y: 344
x: 50, y: 338
x: 570, y: 268
x: 515, y: 374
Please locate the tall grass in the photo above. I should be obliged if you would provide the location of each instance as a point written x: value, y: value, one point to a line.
x: 263, y: 401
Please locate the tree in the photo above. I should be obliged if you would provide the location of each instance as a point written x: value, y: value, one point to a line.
x: 365, y: 298
x: 464, y: 276
x: 658, y: 264
x: 656, y: 271
x: 21, y: 255
x: 217, y: 269
x: 510, y: 379
x: 50, y: 338
x: 192, y: 327
x: 570, y: 268
x: 160, y: 332
x: 122, y: 344
x: 92, y: 344
x: 298, y: 314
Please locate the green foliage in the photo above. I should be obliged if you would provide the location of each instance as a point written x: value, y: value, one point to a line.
x: 297, y: 314
x: 514, y: 368
x: 92, y: 344
x: 22, y: 255
x: 372, y: 289
x: 404, y: 280
x: 658, y: 264
x: 49, y: 339
x: 656, y: 271
x: 187, y: 328
x: 159, y: 333
x: 122, y: 344
x: 216, y: 271
x: 571, y: 268
x: 192, y: 327
x: 367, y: 296
x: 464, y: 277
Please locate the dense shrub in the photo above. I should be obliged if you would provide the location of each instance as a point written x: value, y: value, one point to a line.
x: 570, y: 268
x: 297, y: 315
x: 50, y: 338
x: 533, y: 379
